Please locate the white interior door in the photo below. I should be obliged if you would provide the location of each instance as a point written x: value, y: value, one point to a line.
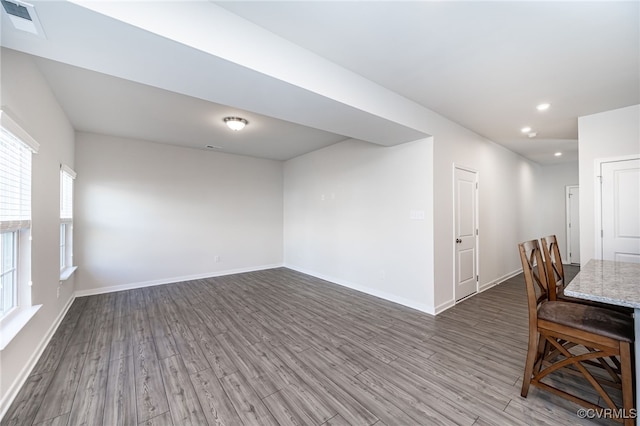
x: 466, y: 229
x: 620, y: 189
x: 573, y: 224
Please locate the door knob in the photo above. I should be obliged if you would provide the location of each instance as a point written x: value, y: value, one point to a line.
x: 458, y: 240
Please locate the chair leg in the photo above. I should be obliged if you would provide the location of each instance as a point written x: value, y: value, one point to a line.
x: 532, y: 351
x: 627, y: 382
x: 544, y: 353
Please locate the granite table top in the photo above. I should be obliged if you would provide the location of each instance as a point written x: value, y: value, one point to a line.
x: 616, y: 283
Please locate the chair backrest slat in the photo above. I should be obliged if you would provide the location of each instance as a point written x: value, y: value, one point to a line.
x: 554, y: 268
x: 534, y: 276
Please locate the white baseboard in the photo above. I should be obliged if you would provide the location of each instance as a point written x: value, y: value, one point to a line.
x: 484, y: 287
x: 368, y: 290
x: 499, y: 280
x: 12, y: 392
x: 141, y: 284
x: 444, y: 306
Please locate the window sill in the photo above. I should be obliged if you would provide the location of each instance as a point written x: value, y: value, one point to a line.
x: 67, y: 272
x: 11, y: 325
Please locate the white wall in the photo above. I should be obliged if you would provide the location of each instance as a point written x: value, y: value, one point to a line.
x: 609, y: 134
x: 347, y: 218
x: 363, y: 238
x: 148, y: 213
x: 553, y: 181
x: 29, y: 100
x: 507, y: 207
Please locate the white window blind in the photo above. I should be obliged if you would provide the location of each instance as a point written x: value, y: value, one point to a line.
x: 66, y: 193
x: 15, y: 182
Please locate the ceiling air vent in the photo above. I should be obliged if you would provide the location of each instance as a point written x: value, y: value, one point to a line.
x: 16, y: 9
x: 23, y: 16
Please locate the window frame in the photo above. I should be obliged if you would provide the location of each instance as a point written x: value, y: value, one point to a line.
x: 67, y: 178
x: 63, y: 248
x: 13, y: 269
x: 18, y: 222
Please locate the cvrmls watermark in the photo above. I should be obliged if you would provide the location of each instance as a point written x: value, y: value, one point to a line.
x: 607, y: 413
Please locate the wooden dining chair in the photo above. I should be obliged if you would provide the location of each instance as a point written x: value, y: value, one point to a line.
x: 556, y: 279
x: 573, y: 337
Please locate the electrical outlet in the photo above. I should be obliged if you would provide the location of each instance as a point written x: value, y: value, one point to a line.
x: 216, y: 259
x: 417, y: 214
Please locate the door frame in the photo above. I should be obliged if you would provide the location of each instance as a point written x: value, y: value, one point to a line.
x: 453, y: 228
x: 568, y: 230
x: 597, y: 169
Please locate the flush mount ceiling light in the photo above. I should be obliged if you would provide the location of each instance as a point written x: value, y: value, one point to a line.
x: 235, y: 123
x: 525, y: 129
x: 543, y: 107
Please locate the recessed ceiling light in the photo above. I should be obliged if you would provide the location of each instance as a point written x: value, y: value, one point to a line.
x: 543, y: 107
x: 558, y: 154
x: 235, y: 123
x: 525, y: 129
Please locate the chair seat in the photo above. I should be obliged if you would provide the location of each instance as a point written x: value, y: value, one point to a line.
x: 601, y: 321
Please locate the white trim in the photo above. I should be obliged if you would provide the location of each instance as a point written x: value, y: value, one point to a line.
x: 567, y: 220
x: 446, y: 305
x: 68, y: 170
x: 383, y: 295
x: 499, y: 280
x: 151, y: 283
x: 368, y: 290
x: 451, y: 303
x: 67, y: 272
x: 20, y: 380
x: 10, y: 124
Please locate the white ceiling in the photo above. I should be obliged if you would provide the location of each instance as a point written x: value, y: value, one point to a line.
x: 99, y: 103
x: 309, y: 74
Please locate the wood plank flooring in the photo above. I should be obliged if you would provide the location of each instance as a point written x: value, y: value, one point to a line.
x: 280, y: 347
